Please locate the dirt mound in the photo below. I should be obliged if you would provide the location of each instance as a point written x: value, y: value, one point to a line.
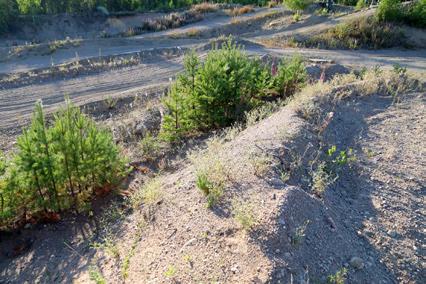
x: 291, y: 231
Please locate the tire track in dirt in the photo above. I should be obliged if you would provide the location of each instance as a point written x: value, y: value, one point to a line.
x: 16, y: 104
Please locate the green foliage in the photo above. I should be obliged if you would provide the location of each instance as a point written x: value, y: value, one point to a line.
x: 212, y: 189
x: 220, y: 90
x: 291, y: 76
x: 297, y: 5
x: 96, y: 276
x: 338, y: 278
x: 171, y: 271
x: 29, y: 6
x: 7, y: 14
x: 150, y: 146
x: 341, y: 158
x: 361, y: 4
x: 415, y: 14
x: 244, y: 214
x: 389, y: 10
x: 59, y: 167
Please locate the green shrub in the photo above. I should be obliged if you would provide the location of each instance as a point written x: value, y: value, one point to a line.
x: 290, y: 77
x: 58, y: 167
x: 415, y: 14
x: 7, y: 14
x: 220, y: 90
x: 297, y: 5
x: 389, y: 10
x: 361, y: 4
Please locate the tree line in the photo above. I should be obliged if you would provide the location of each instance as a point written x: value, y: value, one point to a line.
x: 11, y: 9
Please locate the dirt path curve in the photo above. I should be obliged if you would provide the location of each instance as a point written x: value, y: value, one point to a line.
x: 119, y: 46
x: 16, y: 104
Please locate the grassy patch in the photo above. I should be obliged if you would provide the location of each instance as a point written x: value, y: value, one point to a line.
x: 205, y: 7
x: 149, y: 194
x: 211, y: 172
x: 244, y: 214
x: 360, y: 33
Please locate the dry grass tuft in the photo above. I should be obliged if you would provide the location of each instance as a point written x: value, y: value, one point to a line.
x: 205, y: 7
x: 211, y: 171
x: 238, y: 11
x: 149, y: 194
x: 244, y: 214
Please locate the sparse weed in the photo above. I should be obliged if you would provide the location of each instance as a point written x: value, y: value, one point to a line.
x: 342, y: 157
x: 126, y: 261
x: 244, y: 214
x: 297, y: 17
x: 96, y: 276
x: 338, y: 278
x: 358, y: 33
x: 285, y: 176
x: 261, y: 163
x: 170, y: 272
x: 257, y: 114
x: 149, y: 194
x: 299, y: 233
x: 150, y: 146
x: 321, y: 179
x: 213, y: 191
x: 109, y: 246
x: 110, y: 102
x: 211, y: 172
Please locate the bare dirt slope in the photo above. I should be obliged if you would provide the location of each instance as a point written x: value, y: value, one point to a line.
x: 368, y: 221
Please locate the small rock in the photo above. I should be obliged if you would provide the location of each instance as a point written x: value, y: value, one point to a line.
x: 277, y: 251
x: 357, y: 262
x: 392, y: 233
x: 27, y: 226
x: 188, y: 243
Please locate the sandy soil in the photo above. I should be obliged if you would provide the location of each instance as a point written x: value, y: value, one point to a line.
x: 369, y: 221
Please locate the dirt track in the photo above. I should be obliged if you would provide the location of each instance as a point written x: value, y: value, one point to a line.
x: 16, y: 103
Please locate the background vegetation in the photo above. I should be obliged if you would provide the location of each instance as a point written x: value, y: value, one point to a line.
x: 10, y: 9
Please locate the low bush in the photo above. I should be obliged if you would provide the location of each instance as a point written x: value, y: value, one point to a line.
x: 361, y: 4
x: 389, y: 10
x: 413, y: 14
x: 58, y: 167
x: 8, y: 13
x: 298, y: 5
x: 217, y: 92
